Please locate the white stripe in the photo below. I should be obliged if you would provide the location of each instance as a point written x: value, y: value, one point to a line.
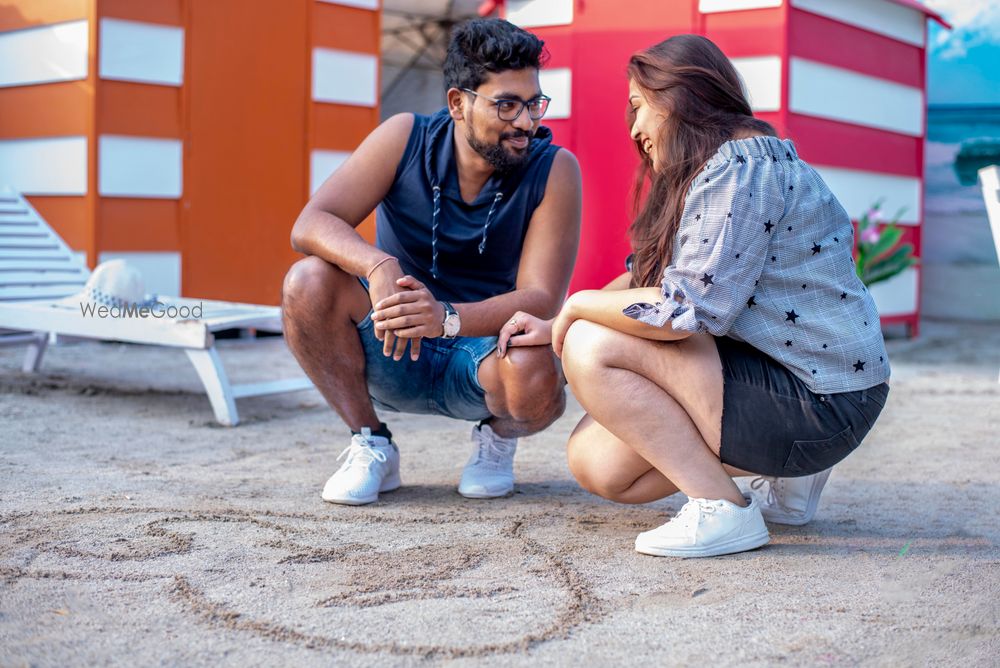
x: 886, y: 18
x: 322, y: 164
x: 857, y: 191
x: 842, y: 95
x: 540, y: 12
x: 897, y: 295
x: 139, y: 167
x: 161, y: 272
x: 762, y: 76
x: 364, y: 4
x: 711, y: 6
x: 143, y: 52
x: 557, y: 83
x: 345, y: 77
x: 44, y: 54
x: 47, y: 166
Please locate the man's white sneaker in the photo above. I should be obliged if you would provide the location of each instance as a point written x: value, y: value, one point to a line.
x: 490, y: 470
x: 705, y: 528
x: 372, y: 466
x: 787, y: 500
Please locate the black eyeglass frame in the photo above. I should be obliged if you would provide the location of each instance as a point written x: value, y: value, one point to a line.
x: 522, y: 105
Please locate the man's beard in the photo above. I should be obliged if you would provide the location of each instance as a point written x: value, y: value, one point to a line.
x: 500, y: 158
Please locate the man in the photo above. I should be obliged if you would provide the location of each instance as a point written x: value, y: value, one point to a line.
x: 478, y: 217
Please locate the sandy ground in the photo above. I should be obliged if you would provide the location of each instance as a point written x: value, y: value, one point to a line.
x: 135, y: 531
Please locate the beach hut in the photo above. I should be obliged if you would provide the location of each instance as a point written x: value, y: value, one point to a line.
x: 184, y: 136
x: 844, y: 79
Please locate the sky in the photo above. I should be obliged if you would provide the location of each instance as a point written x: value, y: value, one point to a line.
x: 964, y: 63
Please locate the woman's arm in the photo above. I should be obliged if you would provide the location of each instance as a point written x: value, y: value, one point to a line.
x: 605, y: 308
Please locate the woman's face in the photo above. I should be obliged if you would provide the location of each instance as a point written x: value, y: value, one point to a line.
x: 647, y: 124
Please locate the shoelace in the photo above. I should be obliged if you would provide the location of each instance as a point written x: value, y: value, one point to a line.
x: 362, y: 453
x: 691, y: 512
x: 491, y: 453
x: 772, y: 498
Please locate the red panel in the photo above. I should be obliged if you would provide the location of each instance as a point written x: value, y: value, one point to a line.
x: 833, y: 43
x: 836, y: 144
x: 748, y: 33
x: 671, y: 17
x: 347, y: 28
x: 48, y: 110
x: 27, y: 13
x: 341, y: 127
x: 558, y: 44
x: 119, y: 101
x: 139, y: 224
x: 68, y: 216
x: 167, y: 12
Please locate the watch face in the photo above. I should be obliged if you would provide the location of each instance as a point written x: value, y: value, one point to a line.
x: 451, y: 325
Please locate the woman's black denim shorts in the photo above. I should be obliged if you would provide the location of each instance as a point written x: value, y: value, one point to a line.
x: 773, y: 425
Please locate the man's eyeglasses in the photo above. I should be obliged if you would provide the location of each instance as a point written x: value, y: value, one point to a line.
x: 509, y: 110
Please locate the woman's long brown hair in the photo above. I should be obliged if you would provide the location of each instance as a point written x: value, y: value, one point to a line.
x: 692, y: 82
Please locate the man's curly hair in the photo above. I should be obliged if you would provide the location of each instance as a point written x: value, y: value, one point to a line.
x: 480, y: 46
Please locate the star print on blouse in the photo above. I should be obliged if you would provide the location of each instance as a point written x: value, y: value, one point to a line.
x: 816, y: 248
x: 740, y: 159
x: 707, y: 280
x: 788, y: 343
x: 859, y: 366
x: 751, y: 302
x: 843, y: 295
x: 791, y: 315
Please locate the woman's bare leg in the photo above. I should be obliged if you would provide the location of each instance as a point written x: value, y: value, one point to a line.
x: 662, y: 399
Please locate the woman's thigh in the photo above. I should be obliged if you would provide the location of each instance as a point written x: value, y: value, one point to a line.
x: 689, y: 370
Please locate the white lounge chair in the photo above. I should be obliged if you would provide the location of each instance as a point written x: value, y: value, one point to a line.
x: 38, y: 269
x: 989, y: 180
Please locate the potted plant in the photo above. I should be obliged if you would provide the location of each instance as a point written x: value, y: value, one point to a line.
x: 879, y: 254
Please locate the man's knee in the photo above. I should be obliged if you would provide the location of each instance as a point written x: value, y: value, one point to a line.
x: 314, y: 283
x: 533, y: 385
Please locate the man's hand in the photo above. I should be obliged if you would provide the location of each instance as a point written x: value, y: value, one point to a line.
x: 524, y: 330
x: 410, y: 313
x: 383, y: 283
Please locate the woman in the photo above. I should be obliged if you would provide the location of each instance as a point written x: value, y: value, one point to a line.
x: 741, y: 341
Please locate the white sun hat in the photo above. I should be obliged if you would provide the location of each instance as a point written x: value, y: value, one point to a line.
x: 114, y: 283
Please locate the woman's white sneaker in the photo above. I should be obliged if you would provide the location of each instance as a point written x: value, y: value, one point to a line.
x: 490, y: 470
x: 707, y: 528
x: 372, y: 466
x: 787, y: 500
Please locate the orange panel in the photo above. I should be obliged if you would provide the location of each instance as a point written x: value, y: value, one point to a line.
x: 139, y: 224
x: 340, y: 127
x: 45, y: 110
x: 153, y: 11
x: 245, y: 173
x: 139, y: 109
x: 68, y: 216
x: 27, y: 13
x: 347, y: 28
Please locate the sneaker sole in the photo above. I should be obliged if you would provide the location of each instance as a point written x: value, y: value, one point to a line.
x: 390, y: 485
x: 741, y: 544
x: 478, y: 495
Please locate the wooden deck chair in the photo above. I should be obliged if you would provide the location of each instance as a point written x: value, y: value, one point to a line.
x: 38, y: 270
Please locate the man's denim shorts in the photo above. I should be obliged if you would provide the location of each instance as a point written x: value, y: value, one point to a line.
x: 443, y: 381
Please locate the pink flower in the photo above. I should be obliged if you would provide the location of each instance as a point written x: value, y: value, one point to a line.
x: 874, y: 215
x: 870, y: 235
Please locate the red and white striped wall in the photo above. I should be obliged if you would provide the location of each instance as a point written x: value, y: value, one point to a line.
x: 845, y: 80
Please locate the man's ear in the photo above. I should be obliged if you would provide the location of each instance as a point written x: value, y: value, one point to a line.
x: 456, y: 104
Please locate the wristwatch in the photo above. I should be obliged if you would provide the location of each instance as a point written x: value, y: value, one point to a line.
x: 452, y: 323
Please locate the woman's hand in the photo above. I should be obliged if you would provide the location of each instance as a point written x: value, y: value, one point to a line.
x: 568, y: 314
x: 523, y: 330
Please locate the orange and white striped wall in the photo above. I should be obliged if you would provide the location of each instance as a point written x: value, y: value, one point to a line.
x: 184, y: 136
x: 845, y: 80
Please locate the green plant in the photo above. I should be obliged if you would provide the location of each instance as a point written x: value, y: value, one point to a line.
x: 879, y: 255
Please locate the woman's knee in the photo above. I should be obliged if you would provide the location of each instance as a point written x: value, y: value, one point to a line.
x: 586, y: 349
x: 590, y: 473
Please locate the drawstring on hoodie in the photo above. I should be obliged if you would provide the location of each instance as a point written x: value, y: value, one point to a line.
x: 486, y: 227
x: 435, y: 216
x: 434, y: 231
